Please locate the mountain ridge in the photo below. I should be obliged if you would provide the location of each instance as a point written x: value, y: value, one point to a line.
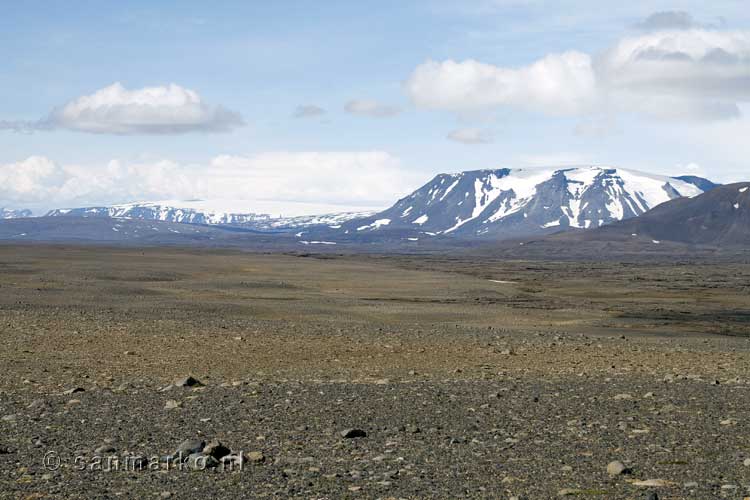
x: 510, y: 203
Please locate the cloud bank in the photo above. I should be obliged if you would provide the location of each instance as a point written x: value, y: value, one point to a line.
x: 676, y: 74
x: 168, y: 109
x: 350, y: 179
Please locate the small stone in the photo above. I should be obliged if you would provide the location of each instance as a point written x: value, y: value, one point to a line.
x: 617, y: 468
x: 171, y: 404
x: 256, y: 457
x: 691, y: 484
x: 188, y: 381
x: 9, y: 418
x: 353, y: 433
x: 4, y: 450
x: 74, y: 390
x: 165, y: 494
x: 652, y: 496
x: 189, y: 447
x: 747, y: 462
x: 216, y: 449
x: 104, y: 449
x: 622, y: 397
x: 413, y: 429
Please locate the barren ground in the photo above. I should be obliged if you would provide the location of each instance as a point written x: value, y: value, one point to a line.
x: 472, y: 378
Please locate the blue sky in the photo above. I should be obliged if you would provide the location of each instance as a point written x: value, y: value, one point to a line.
x: 257, y: 62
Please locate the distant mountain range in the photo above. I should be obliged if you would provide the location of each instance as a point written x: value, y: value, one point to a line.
x: 600, y: 205
x: 7, y: 213
x: 208, y: 213
x: 512, y: 203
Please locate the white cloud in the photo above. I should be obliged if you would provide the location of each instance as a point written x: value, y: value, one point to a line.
x: 349, y: 179
x: 168, y: 109
x: 470, y: 136
x: 694, y: 74
x: 308, y: 111
x: 558, y: 84
x: 367, y: 107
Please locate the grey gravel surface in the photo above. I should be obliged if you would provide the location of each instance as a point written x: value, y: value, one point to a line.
x: 424, y: 439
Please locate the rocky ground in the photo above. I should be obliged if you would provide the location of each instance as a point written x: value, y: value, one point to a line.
x: 353, y: 377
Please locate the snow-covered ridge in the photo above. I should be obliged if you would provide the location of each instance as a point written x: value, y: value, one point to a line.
x: 8, y: 213
x: 262, y: 216
x: 526, y: 201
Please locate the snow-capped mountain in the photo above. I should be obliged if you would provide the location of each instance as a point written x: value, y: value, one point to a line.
x: 8, y: 213
x: 224, y: 213
x: 507, y: 203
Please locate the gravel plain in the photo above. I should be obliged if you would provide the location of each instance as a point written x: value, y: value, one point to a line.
x: 369, y: 377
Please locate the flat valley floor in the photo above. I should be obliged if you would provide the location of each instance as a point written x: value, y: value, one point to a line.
x: 461, y: 377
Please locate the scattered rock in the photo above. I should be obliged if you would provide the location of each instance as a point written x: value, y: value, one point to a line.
x: 73, y: 391
x: 216, y: 449
x: 171, y: 404
x: 188, y: 381
x: 353, y: 433
x: 617, y: 468
x: 255, y: 457
x: 190, y: 447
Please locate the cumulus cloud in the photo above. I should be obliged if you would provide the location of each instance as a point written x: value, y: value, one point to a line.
x: 347, y: 179
x: 693, y: 74
x: 556, y: 84
x: 367, y: 107
x: 167, y: 109
x: 308, y: 111
x: 470, y: 136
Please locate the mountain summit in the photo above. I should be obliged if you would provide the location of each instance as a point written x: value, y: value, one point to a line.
x: 509, y: 203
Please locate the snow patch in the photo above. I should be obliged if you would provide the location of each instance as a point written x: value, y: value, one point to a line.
x: 421, y: 220
x: 375, y: 225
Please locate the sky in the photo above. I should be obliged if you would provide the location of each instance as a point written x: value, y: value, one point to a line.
x: 352, y: 105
